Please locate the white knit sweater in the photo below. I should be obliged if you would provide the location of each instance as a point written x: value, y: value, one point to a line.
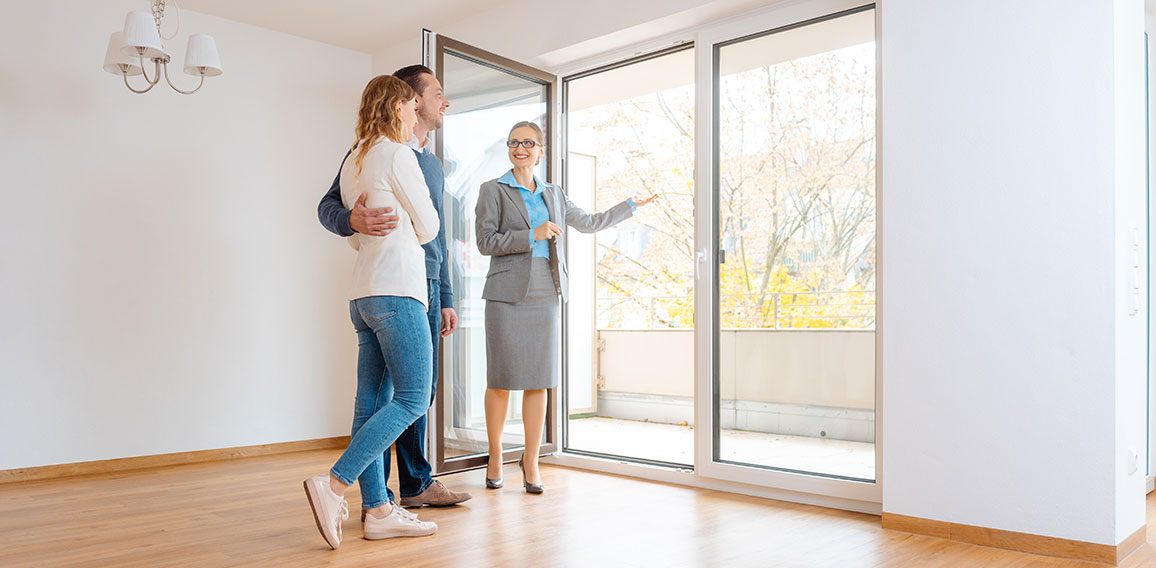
x: 393, y: 265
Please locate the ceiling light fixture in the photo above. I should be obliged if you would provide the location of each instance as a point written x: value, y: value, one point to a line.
x: 141, y: 39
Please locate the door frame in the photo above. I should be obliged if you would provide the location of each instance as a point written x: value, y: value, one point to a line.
x: 435, y: 436
x: 708, y: 473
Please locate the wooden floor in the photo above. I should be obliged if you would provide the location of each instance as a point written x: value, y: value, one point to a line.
x: 253, y: 512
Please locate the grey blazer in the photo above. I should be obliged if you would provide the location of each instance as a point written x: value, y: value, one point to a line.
x: 503, y: 231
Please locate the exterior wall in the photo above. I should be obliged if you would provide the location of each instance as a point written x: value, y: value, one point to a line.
x: 806, y: 383
x: 819, y: 368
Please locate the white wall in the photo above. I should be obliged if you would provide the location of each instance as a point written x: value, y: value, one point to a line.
x: 1150, y: 27
x: 165, y: 284
x: 1131, y: 265
x: 1006, y: 350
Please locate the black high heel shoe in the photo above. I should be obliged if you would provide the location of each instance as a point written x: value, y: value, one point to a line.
x: 495, y: 483
x: 531, y: 488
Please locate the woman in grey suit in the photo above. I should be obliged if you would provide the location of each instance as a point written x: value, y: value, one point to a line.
x: 519, y: 225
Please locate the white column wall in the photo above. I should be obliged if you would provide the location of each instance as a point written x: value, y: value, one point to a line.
x: 1004, y: 350
x: 1131, y: 170
x: 1150, y: 27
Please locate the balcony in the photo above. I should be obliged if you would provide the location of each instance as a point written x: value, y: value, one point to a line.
x: 793, y: 399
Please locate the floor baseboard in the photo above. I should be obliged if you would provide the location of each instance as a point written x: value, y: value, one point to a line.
x: 179, y: 458
x: 1021, y: 542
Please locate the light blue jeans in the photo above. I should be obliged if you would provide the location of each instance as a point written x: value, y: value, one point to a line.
x: 394, y: 344
x: 413, y: 468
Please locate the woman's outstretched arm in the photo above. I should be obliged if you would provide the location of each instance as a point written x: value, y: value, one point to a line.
x: 594, y: 222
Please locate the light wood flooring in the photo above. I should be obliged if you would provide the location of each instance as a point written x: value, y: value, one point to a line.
x: 253, y: 512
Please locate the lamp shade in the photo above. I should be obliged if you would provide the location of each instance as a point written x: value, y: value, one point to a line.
x: 201, y: 56
x: 140, y: 31
x: 116, y: 61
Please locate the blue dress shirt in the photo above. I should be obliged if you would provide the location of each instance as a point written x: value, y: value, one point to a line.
x: 536, y: 207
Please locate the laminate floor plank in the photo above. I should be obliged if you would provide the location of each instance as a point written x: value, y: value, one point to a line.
x: 253, y: 512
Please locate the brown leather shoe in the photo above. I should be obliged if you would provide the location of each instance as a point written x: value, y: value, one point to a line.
x: 436, y: 495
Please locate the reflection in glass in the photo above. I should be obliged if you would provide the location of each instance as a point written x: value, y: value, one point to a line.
x: 484, y: 104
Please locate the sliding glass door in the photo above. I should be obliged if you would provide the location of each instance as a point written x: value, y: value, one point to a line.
x: 795, y: 386
x: 787, y: 247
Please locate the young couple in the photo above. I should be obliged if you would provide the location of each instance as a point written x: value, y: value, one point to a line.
x: 387, y: 200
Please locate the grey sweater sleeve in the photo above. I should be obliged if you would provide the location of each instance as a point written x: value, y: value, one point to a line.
x: 331, y: 211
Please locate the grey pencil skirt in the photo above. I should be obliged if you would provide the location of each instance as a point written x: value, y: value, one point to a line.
x: 524, y: 339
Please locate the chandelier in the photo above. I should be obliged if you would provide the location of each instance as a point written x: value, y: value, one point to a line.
x: 141, y: 40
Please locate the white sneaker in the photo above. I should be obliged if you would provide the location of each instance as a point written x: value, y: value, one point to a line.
x: 329, y: 508
x: 365, y: 514
x: 398, y: 522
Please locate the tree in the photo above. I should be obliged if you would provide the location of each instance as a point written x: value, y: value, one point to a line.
x: 796, y: 196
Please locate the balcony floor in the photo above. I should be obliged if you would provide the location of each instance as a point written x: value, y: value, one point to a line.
x: 675, y: 444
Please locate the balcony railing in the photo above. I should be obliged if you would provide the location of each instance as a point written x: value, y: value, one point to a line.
x: 777, y: 310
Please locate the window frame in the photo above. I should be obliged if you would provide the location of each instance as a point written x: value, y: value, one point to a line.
x: 708, y: 472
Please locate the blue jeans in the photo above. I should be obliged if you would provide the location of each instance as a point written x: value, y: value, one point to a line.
x: 413, y: 469
x: 393, y: 348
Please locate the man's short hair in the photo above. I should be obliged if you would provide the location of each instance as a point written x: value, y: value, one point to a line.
x: 412, y: 75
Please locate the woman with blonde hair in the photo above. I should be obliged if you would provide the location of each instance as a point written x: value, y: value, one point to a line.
x: 388, y: 308
x: 519, y: 225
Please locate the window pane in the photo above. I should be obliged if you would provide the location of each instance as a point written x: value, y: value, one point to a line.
x: 630, y: 314
x: 796, y: 178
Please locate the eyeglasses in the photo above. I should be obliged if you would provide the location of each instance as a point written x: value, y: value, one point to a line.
x: 523, y: 143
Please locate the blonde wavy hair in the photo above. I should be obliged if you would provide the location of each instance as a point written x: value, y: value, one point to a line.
x: 379, y: 116
x: 538, y: 135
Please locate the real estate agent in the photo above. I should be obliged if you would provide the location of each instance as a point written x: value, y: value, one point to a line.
x: 519, y: 221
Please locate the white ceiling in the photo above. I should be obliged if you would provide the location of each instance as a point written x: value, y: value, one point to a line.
x: 361, y: 25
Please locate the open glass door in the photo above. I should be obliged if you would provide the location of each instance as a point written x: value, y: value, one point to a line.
x: 488, y: 94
